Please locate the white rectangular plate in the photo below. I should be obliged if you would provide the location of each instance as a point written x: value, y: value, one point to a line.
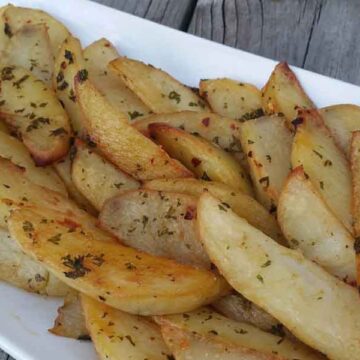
x: 25, y: 318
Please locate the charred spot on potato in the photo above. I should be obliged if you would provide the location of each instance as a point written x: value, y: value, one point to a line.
x: 58, y: 131
x: 7, y: 30
x: 7, y: 73
x: 82, y: 75
x: 18, y: 83
x: 69, y: 56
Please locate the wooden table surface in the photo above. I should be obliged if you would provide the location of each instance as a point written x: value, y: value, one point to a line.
x: 319, y: 35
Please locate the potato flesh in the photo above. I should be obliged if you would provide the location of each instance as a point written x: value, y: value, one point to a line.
x: 123, y: 145
x: 20, y: 270
x: 158, y: 223
x: 327, y: 167
x: 342, y: 120
x: 211, y: 327
x: 201, y: 157
x: 319, y: 309
x: 34, y: 111
x: 118, y: 335
x: 97, y: 57
x: 16, y: 17
x: 157, y: 89
x: 310, y: 226
x: 267, y: 143
x: 221, y: 131
x: 63, y: 168
x: 284, y: 94
x: 242, y: 204
x: 30, y: 48
x: 232, y: 99
x: 70, y: 321
x: 91, y: 262
x: 68, y: 63
x: 355, y: 172
x: 14, y: 150
x: 17, y: 190
x: 96, y: 178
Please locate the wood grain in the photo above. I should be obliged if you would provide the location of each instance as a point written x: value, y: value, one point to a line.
x: 174, y: 13
x: 319, y: 35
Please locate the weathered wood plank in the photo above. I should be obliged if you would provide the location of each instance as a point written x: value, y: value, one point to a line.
x: 4, y: 356
x: 319, y: 35
x: 173, y: 13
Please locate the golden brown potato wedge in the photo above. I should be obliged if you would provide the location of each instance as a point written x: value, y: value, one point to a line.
x: 122, y: 144
x: 267, y: 143
x: 209, y: 327
x: 63, y: 168
x: 16, y: 17
x: 70, y: 321
x: 17, y: 190
x: 14, y: 150
x: 342, y: 120
x: 223, y: 132
x: 242, y: 204
x: 20, y: 270
x: 324, y: 163
x: 157, y: 89
x: 96, y: 178
x: 284, y: 94
x: 68, y: 63
x: 118, y: 335
x: 30, y: 48
x: 238, y: 308
x: 206, y: 160
x: 159, y: 223
x: 299, y: 293
x: 355, y: 175
x: 319, y: 234
x: 34, y: 112
x: 232, y: 99
x: 91, y: 262
x: 97, y: 57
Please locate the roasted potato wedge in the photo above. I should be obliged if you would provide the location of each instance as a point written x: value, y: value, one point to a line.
x: 159, y: 223
x: 284, y: 94
x: 33, y: 111
x: 297, y: 292
x: 355, y: 175
x: 342, y: 120
x: 206, y: 160
x: 267, y: 143
x: 30, y: 48
x: 20, y: 270
x: 14, y: 150
x: 232, y: 99
x: 68, y: 63
x: 238, y: 308
x: 118, y: 335
x: 96, y: 178
x: 157, y: 89
x: 17, y: 190
x: 328, y: 169
x: 122, y: 144
x: 319, y: 234
x: 242, y: 204
x: 70, y: 321
x: 91, y: 262
x: 221, y: 131
x: 97, y: 57
x: 63, y: 168
x: 16, y: 17
x: 209, y: 327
